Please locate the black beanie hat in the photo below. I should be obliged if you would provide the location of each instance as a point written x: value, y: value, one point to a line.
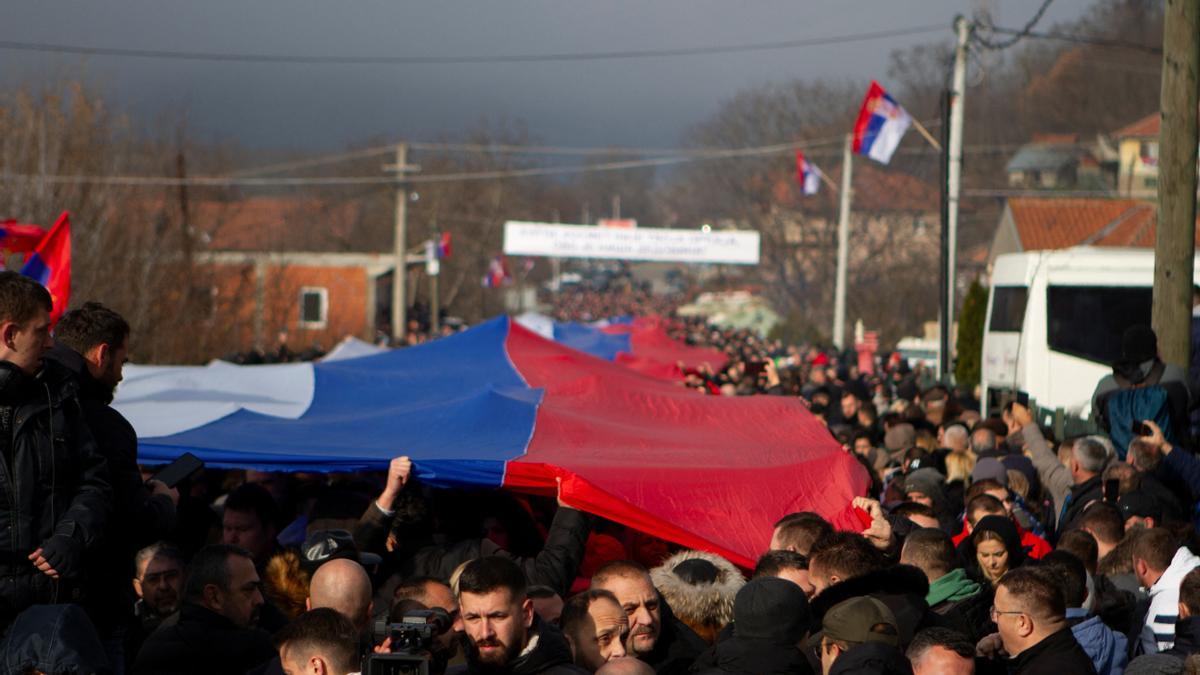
x: 772, y: 609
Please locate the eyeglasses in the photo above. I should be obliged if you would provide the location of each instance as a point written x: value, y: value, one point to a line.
x: 995, y: 613
x: 159, y: 577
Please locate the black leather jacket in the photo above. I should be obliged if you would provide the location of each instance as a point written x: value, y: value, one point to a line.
x: 53, y: 481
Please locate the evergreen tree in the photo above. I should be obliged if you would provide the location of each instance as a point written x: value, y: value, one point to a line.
x: 970, y: 335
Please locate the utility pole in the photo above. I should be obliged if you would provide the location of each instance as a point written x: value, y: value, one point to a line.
x: 400, y: 272
x: 1175, y: 245
x: 433, y: 267
x: 943, y: 360
x: 954, y: 185
x: 843, y: 253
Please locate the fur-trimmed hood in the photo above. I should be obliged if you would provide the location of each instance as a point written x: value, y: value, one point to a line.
x: 705, y: 603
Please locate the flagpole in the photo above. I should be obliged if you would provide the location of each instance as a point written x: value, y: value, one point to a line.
x: 843, y: 253
x: 954, y: 181
x: 925, y: 132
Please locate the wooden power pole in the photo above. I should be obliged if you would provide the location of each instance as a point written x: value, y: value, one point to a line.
x: 1175, y: 245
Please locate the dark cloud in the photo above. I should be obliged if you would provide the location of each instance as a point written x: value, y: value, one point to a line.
x: 646, y: 102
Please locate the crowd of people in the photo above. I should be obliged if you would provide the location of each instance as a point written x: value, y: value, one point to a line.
x: 986, y: 545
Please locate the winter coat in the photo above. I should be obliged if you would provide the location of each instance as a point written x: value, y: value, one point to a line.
x: 1057, y: 654
x: 144, y: 518
x: 963, y: 602
x: 741, y: 656
x: 1108, y: 649
x: 1173, y: 380
x: 678, y: 646
x: 871, y: 657
x: 203, y: 643
x: 1056, y: 479
x: 555, y: 566
x: 902, y: 588
x: 52, y: 482
x: 706, y: 608
x: 52, y: 639
x: 1158, y: 633
x: 550, y: 656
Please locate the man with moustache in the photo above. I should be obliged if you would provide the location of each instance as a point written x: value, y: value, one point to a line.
x: 503, y: 634
x: 216, y: 631
x: 158, y: 583
x: 655, y: 635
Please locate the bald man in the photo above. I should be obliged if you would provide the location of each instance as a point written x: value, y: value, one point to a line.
x: 343, y: 585
x: 626, y: 665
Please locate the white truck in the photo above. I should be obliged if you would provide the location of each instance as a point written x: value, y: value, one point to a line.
x: 1055, y: 321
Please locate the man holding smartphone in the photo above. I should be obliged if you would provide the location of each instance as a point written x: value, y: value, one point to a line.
x: 92, y: 343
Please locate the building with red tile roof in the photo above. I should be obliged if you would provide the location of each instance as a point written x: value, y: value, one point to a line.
x: 1046, y: 223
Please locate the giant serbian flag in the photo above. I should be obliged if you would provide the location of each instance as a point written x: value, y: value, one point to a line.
x: 50, y: 265
x: 880, y: 126
x: 500, y: 406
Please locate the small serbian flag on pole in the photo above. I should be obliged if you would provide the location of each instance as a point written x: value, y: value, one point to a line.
x: 443, y: 247
x: 497, y: 274
x: 881, y: 125
x: 808, y: 175
x: 50, y: 265
x: 19, y: 238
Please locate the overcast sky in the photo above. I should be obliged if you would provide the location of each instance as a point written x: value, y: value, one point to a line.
x: 644, y: 102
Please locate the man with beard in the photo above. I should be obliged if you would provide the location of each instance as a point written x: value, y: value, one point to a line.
x: 92, y: 344
x: 158, y: 582
x: 655, y: 635
x: 503, y: 634
x: 215, y: 633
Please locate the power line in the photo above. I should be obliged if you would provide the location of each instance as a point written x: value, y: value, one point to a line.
x: 481, y: 148
x: 1016, y: 35
x: 327, y: 59
x: 231, y: 180
x: 1084, y: 39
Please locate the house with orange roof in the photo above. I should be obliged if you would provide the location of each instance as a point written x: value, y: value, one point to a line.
x: 1048, y: 223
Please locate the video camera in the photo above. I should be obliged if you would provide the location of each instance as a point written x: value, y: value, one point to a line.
x: 411, y: 643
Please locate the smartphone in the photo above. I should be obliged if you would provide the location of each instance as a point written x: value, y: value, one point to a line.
x: 1140, y: 428
x: 180, y: 470
x: 1112, y: 490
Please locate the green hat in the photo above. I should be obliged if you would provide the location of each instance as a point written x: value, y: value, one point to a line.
x: 852, y: 621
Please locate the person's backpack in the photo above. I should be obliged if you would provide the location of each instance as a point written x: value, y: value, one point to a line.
x: 1131, y: 403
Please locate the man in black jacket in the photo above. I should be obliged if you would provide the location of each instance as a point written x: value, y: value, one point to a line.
x: 54, y: 487
x: 503, y: 634
x: 1031, y: 614
x: 655, y: 635
x: 91, y: 344
x: 215, y: 632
